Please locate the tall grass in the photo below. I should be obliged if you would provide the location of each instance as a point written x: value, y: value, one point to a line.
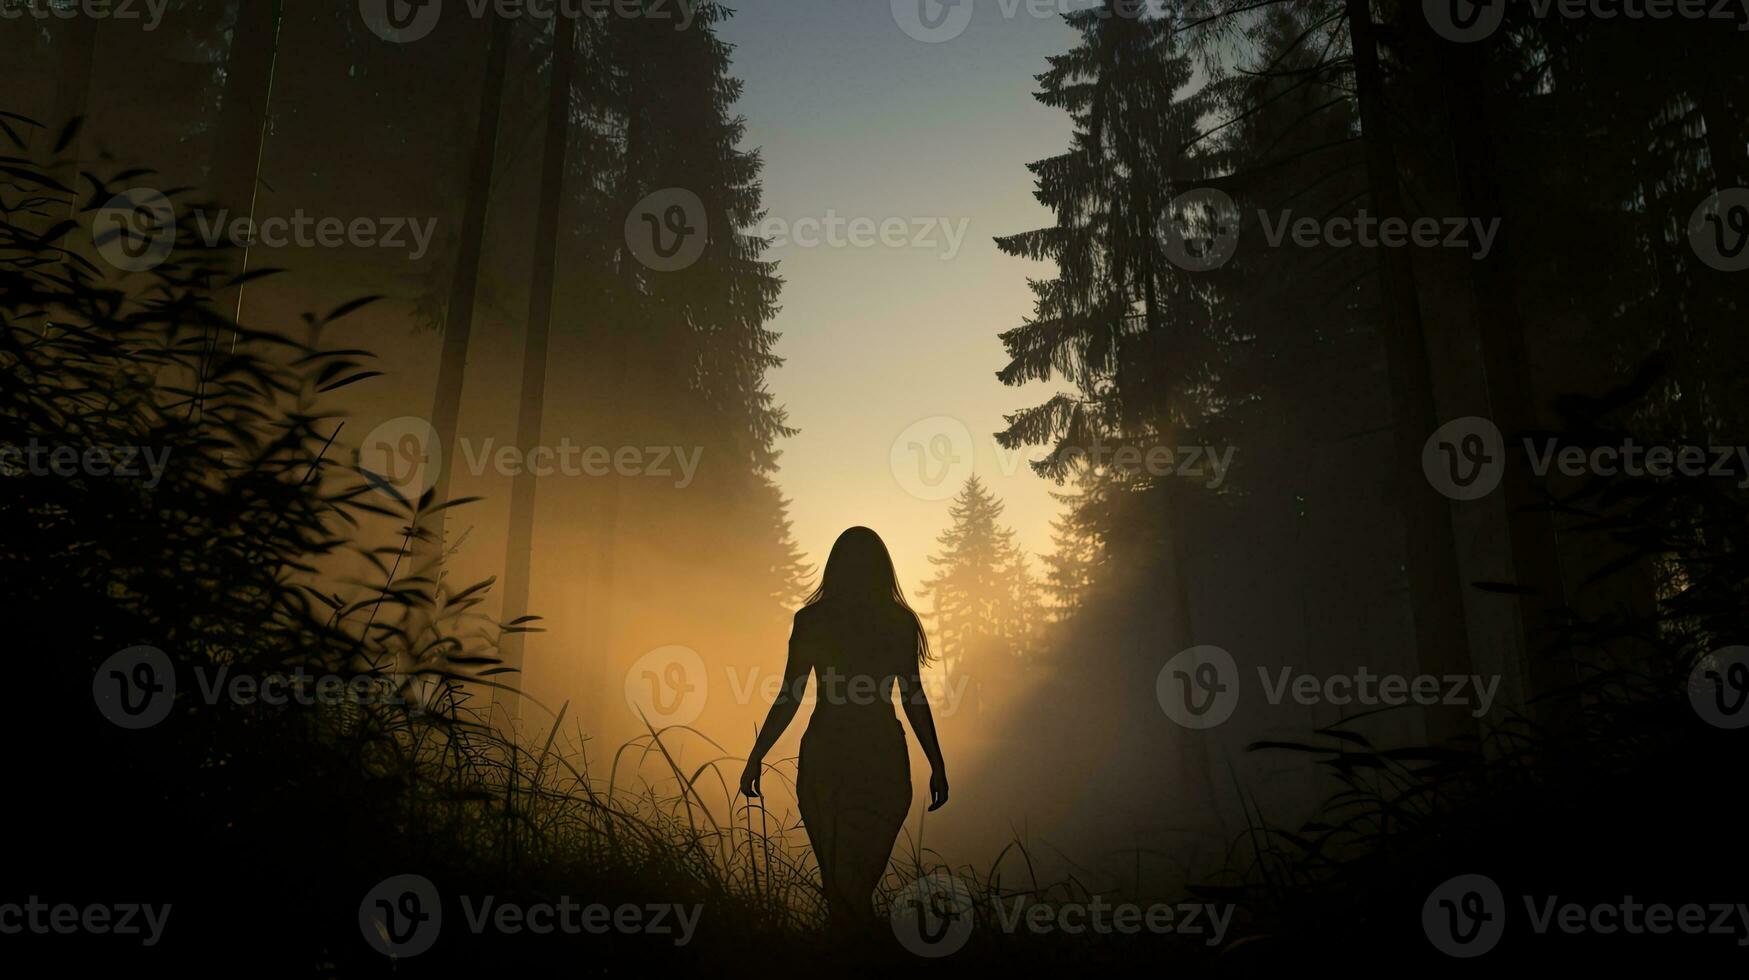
x: 264, y: 550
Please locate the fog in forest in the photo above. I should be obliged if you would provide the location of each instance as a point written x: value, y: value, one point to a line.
x: 1307, y: 432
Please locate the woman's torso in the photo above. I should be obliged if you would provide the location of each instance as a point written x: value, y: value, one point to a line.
x: 857, y: 653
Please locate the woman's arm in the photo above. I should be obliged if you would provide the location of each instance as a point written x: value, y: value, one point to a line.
x: 916, y: 704
x: 783, y: 711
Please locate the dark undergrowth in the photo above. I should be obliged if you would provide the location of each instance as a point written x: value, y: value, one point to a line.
x: 265, y: 827
x: 1614, y: 789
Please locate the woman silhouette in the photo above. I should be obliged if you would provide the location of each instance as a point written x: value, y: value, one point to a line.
x: 859, y: 639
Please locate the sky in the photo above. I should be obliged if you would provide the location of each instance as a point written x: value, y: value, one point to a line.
x: 889, y: 329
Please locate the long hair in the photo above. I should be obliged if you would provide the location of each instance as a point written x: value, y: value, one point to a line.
x: 859, y: 572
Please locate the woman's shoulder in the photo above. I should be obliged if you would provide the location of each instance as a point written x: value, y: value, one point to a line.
x: 825, y: 613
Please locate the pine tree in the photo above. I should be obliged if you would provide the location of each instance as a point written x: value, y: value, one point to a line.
x: 971, y: 588
x: 1023, y: 612
x: 1070, y: 566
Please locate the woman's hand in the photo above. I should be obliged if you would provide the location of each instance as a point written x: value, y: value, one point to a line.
x: 937, y: 790
x: 750, y: 779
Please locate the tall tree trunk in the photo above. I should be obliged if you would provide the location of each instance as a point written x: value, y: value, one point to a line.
x: 458, y: 321
x: 1430, y: 547
x: 1197, y: 749
x: 520, y: 554
x: 1536, y: 561
x: 1724, y: 144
